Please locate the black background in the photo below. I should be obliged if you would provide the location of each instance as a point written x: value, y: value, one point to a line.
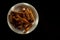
x: 41, y: 32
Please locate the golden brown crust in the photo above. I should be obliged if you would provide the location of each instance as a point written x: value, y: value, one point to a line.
x: 23, y: 19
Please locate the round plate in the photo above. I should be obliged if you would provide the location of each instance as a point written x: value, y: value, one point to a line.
x: 15, y: 8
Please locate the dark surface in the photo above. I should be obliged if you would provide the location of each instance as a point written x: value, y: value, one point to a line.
x: 41, y: 32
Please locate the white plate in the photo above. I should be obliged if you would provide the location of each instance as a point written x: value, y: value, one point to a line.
x: 15, y: 8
